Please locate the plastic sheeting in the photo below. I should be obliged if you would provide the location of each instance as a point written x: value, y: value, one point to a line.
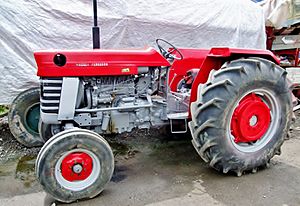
x: 281, y: 13
x: 29, y: 25
x: 277, y: 12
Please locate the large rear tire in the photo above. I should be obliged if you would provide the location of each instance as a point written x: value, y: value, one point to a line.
x: 74, y: 164
x: 23, y: 118
x: 242, y: 115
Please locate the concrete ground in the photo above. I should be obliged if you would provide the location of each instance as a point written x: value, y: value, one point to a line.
x: 155, y: 170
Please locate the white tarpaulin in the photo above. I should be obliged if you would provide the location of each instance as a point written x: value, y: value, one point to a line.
x: 29, y: 25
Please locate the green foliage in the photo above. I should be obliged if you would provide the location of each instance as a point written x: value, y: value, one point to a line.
x: 3, y: 109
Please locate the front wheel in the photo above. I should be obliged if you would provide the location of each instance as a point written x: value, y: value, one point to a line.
x: 242, y: 115
x: 74, y: 164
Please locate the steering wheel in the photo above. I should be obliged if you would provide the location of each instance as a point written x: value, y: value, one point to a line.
x: 169, y: 54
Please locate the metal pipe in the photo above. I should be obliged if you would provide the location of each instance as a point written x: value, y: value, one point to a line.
x: 112, y: 108
x: 96, y: 29
x: 95, y: 12
x: 84, y: 110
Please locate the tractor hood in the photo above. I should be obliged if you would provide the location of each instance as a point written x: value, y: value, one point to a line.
x: 63, y: 63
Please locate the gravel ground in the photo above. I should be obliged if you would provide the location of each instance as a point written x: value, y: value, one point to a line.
x: 9, y: 147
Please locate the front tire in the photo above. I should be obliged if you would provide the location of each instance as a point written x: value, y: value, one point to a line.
x: 74, y: 164
x: 242, y: 115
x: 23, y: 118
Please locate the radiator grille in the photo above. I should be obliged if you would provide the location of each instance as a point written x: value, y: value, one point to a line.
x: 50, y: 94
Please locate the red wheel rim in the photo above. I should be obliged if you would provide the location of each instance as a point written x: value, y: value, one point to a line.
x: 76, y: 166
x: 250, y: 120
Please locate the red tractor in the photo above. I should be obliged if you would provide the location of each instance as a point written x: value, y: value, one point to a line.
x: 236, y: 103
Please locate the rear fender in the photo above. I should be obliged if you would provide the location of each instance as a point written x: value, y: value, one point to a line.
x: 218, y: 56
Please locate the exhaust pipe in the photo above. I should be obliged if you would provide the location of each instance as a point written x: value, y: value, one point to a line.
x: 96, y: 29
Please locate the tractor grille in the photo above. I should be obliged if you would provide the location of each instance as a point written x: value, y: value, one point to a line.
x: 50, y: 94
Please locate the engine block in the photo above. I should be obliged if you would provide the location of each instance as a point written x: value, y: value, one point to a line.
x: 108, y: 104
x: 105, y: 89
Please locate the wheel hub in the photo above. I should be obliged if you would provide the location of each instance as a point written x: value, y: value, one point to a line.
x: 250, y: 119
x: 32, y: 118
x: 253, y: 121
x: 76, y: 166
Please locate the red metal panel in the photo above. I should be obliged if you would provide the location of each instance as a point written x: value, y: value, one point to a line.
x: 97, y: 62
x: 290, y: 52
x: 237, y: 52
x: 193, y: 58
x: 218, y: 56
